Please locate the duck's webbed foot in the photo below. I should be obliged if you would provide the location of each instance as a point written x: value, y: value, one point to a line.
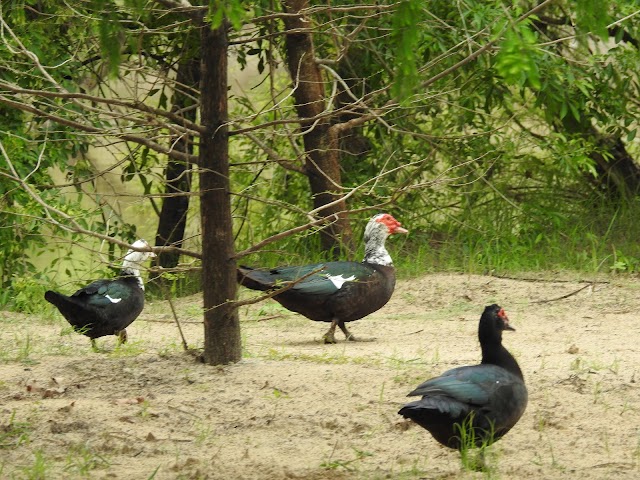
x: 330, y: 337
x: 122, y: 336
x: 350, y: 337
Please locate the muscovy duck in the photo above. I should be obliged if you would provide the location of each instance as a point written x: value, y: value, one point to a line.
x: 335, y: 292
x: 107, y: 307
x: 489, y: 398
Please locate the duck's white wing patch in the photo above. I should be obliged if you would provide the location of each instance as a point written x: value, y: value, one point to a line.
x: 113, y: 300
x: 338, y: 280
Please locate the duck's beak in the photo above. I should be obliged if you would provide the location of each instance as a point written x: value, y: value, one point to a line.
x: 505, y: 321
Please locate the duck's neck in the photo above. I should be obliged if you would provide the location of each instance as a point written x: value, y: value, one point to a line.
x: 379, y: 256
x: 131, y: 269
x: 375, y: 251
x: 496, y: 354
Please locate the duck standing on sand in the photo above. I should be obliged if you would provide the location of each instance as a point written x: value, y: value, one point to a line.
x: 107, y: 307
x: 336, y: 292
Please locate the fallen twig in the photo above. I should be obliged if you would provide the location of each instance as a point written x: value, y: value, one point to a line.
x: 565, y: 296
x: 544, y: 280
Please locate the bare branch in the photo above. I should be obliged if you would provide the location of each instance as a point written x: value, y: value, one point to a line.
x: 156, y: 147
x: 71, y: 224
x: 286, y: 233
x: 190, y: 128
x: 278, y: 291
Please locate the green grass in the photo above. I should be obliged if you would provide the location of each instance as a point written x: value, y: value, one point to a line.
x: 129, y: 349
x: 586, y: 238
x: 82, y: 460
x: 333, y: 358
x: 39, y: 469
x: 472, y: 457
x: 20, y: 349
x: 350, y: 465
x: 14, y: 433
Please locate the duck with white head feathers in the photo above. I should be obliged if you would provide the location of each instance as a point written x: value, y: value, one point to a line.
x: 336, y: 292
x: 107, y: 307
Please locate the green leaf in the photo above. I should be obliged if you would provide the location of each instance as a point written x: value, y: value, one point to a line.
x: 517, y: 58
x: 564, y: 109
x: 631, y: 135
x: 232, y: 10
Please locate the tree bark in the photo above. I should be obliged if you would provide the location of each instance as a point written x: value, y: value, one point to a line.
x: 618, y: 173
x: 322, y: 164
x: 173, y: 214
x: 222, y: 342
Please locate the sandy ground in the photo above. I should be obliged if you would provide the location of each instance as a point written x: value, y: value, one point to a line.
x: 297, y: 409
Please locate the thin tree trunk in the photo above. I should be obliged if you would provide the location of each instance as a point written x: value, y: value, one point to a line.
x: 322, y: 164
x: 222, y: 342
x: 173, y: 214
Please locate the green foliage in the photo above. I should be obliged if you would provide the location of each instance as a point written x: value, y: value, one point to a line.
x: 232, y: 10
x: 499, y: 165
x: 406, y: 36
x: 110, y: 31
x: 516, y: 60
x: 588, y: 237
x: 27, y: 293
x: 593, y: 16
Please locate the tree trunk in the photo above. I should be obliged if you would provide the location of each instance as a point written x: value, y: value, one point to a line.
x: 222, y: 342
x: 618, y: 173
x: 322, y: 165
x: 173, y: 214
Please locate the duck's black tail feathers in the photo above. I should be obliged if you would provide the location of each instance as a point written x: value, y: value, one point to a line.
x: 255, y: 279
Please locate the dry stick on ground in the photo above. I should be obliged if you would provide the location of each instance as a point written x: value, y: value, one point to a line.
x: 141, y: 319
x: 543, y: 280
x: 592, y: 284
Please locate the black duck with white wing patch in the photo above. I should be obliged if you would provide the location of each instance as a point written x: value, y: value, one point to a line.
x: 336, y: 292
x: 107, y: 307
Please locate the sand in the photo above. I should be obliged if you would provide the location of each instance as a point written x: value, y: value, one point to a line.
x: 294, y: 408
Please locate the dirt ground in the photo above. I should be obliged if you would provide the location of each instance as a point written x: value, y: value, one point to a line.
x: 294, y: 408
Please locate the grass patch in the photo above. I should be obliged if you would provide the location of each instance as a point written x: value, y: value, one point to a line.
x: 129, y: 349
x: 590, y: 237
x: 82, y: 460
x: 39, y: 469
x: 349, y: 465
x: 13, y: 434
x: 21, y: 349
x: 321, y: 358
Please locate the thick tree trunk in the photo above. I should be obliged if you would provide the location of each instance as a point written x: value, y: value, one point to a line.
x: 173, y: 214
x: 322, y: 164
x: 618, y: 173
x: 222, y: 342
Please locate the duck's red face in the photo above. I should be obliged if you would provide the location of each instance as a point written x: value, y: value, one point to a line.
x: 392, y: 224
x: 505, y: 320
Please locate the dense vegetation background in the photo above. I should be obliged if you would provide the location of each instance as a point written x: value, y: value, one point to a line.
x: 502, y: 134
